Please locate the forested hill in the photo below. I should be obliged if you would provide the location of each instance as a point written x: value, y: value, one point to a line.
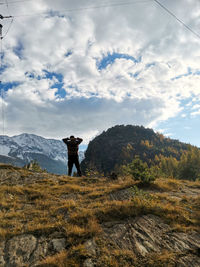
x: 120, y: 144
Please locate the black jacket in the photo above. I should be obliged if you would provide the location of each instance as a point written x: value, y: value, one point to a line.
x: 72, y: 145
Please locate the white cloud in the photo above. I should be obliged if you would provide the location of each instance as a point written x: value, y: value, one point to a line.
x: 196, y: 106
x: 183, y: 115
x: 195, y: 113
x: 82, y: 117
x: 145, y: 92
x: 169, y: 134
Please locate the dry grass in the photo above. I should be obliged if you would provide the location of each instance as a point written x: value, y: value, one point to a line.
x: 164, y: 259
x: 41, y: 205
x: 77, y: 207
x: 113, y: 257
x: 74, y: 257
x: 166, y: 185
x: 58, y: 259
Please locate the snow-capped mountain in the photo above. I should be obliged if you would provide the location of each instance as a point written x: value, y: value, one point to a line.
x: 50, y: 153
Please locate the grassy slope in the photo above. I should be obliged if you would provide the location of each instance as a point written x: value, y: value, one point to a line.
x: 39, y: 203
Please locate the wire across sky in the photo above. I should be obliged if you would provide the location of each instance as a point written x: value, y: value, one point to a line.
x: 104, y: 5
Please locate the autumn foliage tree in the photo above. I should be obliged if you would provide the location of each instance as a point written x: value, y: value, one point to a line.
x: 187, y: 168
x: 139, y: 171
x: 189, y: 165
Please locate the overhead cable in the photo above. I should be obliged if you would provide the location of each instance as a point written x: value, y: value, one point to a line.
x: 7, y: 6
x: 7, y: 17
x: 2, y: 90
x: 24, y: 1
x: 173, y: 15
x: 1, y: 63
x: 13, y: 2
x: 85, y: 8
x: 8, y: 28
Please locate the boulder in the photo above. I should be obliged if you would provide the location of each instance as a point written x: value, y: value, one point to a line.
x: 19, y: 250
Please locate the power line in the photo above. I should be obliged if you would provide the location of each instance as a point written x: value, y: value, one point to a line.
x: 7, y: 6
x: 13, y: 2
x: 173, y: 15
x: 8, y: 28
x: 102, y: 6
x: 1, y: 64
x: 85, y: 8
x: 5, y: 17
x: 2, y: 90
x: 24, y: 1
x: 8, y: 17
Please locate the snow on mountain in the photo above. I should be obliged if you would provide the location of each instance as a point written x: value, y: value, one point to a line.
x: 30, y: 143
x: 21, y: 145
x: 4, y: 150
x: 28, y: 147
x: 7, y: 145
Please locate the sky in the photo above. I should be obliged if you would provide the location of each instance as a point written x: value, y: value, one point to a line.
x: 80, y: 67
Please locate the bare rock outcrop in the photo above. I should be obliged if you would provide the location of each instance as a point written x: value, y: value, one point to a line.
x: 44, y: 217
x: 149, y: 234
x: 19, y: 250
x: 28, y: 250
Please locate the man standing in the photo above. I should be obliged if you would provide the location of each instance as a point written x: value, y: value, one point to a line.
x: 72, y: 147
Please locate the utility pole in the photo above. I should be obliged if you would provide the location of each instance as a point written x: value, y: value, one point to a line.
x: 2, y: 90
x: 1, y: 26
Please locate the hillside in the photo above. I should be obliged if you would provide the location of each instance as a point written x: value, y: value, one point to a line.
x: 12, y: 160
x: 19, y: 150
x: 119, y: 145
x: 49, y: 220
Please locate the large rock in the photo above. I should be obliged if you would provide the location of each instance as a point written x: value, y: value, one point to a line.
x: 19, y: 250
x: 148, y: 234
x: 88, y: 263
x: 58, y: 244
x: 41, y: 251
x: 2, y: 261
x: 91, y: 247
x: 28, y: 250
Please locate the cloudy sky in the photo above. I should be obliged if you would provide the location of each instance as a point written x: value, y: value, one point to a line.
x: 79, y: 67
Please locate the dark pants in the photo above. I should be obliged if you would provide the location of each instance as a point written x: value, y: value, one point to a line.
x: 73, y: 159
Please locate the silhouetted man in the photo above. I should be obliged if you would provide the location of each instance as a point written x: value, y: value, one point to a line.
x: 72, y: 147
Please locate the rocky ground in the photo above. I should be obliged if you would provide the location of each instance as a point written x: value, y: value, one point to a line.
x: 50, y: 220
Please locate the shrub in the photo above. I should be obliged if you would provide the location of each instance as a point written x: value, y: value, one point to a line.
x: 33, y: 165
x: 93, y: 173
x: 140, y: 171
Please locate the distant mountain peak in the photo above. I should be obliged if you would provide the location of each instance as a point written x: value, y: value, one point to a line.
x: 50, y: 153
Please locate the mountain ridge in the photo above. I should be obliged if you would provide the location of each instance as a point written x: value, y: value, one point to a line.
x: 120, y: 144
x: 51, y: 154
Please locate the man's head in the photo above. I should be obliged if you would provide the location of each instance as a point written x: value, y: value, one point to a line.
x: 72, y: 137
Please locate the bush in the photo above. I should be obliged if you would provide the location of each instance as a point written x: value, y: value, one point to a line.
x: 33, y: 165
x: 140, y: 171
x: 93, y: 173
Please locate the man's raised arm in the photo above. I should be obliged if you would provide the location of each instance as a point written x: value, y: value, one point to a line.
x: 66, y: 140
x: 79, y: 140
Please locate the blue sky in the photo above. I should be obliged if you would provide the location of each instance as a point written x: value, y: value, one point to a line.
x: 184, y: 129
x: 185, y: 126
x: 110, y: 59
x: 81, y: 72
